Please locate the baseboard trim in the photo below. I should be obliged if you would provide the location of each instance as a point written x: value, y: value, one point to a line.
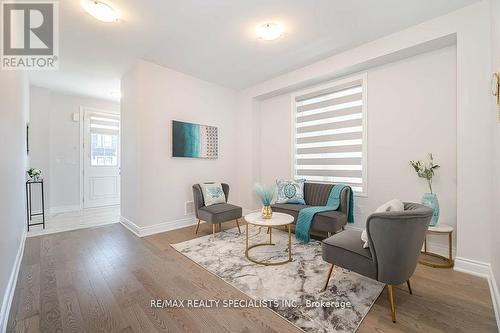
x: 495, y: 296
x: 249, y: 210
x: 473, y: 267
x: 157, y: 228
x: 11, y: 285
x: 484, y: 270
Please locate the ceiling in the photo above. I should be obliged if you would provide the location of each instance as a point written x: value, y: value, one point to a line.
x: 215, y: 40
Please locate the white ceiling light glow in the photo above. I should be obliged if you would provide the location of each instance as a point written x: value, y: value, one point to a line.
x: 269, y: 31
x: 103, y: 11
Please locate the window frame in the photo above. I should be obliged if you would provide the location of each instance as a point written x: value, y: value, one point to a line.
x: 363, y: 77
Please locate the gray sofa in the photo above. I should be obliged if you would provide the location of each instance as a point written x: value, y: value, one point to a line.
x: 323, y: 224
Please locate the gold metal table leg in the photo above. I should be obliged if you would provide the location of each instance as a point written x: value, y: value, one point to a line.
x: 447, y: 261
x: 289, y: 243
x: 248, y: 248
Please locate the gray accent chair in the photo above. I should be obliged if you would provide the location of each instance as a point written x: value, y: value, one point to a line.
x: 325, y: 223
x: 395, y: 240
x: 215, y: 214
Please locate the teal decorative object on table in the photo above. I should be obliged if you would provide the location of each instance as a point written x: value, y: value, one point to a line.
x: 265, y: 195
x: 429, y: 199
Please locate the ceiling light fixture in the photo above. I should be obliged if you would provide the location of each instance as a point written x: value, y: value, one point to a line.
x: 269, y: 31
x: 103, y: 11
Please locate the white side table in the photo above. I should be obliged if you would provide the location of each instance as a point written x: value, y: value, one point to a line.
x: 442, y: 229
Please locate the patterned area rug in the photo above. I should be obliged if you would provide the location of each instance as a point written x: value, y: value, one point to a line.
x: 299, y: 282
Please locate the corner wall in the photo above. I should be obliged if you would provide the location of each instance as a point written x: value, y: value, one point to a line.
x: 14, y: 97
x: 156, y: 186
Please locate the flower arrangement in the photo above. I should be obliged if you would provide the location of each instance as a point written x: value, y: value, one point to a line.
x: 425, y: 170
x: 265, y: 194
x: 33, y: 173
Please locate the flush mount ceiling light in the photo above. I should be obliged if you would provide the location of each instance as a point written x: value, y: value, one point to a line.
x: 269, y: 31
x: 103, y: 11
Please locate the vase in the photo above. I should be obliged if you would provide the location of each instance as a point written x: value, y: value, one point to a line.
x: 266, y: 212
x: 430, y: 200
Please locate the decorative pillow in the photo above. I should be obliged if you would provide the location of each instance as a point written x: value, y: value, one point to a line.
x: 213, y: 194
x: 395, y: 205
x: 290, y: 191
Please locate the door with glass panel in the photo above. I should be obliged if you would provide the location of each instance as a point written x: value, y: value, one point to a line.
x: 101, y: 158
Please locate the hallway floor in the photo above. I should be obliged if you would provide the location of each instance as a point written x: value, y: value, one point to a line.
x: 68, y: 221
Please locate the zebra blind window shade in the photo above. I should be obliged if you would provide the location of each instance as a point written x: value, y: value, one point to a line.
x: 105, y: 124
x: 329, y: 135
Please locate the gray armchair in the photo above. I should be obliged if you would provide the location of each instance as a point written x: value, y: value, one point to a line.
x: 215, y: 214
x: 395, y: 240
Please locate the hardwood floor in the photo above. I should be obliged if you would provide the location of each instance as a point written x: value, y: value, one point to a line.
x: 103, y: 279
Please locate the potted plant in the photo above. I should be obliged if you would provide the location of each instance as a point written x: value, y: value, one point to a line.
x: 265, y: 195
x: 34, y: 174
x: 426, y: 170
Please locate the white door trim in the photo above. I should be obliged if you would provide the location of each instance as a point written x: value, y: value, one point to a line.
x: 84, y: 109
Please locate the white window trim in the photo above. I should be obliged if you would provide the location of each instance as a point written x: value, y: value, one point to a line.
x: 364, y: 79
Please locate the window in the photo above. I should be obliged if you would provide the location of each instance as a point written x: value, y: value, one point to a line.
x: 104, y: 131
x: 330, y: 134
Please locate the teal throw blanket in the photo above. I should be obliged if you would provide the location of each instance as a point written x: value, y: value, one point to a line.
x: 306, y: 215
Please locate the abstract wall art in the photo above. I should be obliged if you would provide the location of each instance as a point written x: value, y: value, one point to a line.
x: 194, y: 140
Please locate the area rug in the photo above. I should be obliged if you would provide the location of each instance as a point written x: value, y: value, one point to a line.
x: 295, y: 286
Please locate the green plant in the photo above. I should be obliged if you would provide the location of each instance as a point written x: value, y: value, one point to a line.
x: 425, y: 170
x: 33, y: 173
x: 265, y: 194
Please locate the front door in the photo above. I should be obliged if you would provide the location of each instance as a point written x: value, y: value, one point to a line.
x: 101, y: 158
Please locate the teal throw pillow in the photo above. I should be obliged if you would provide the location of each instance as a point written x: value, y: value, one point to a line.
x: 213, y: 193
x: 290, y: 191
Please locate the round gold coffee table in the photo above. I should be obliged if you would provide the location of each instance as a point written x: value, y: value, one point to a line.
x: 278, y: 220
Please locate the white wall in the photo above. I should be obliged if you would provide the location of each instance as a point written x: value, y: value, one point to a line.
x: 156, y: 186
x: 411, y: 111
x: 13, y: 118
x: 55, y: 144
x: 495, y: 121
x: 473, y: 104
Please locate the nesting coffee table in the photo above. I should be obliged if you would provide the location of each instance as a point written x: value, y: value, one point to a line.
x: 277, y: 220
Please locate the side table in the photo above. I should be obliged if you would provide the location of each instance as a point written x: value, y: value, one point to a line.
x: 441, y: 229
x: 29, y: 212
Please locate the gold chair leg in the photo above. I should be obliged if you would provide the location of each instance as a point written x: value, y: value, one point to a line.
x: 238, y: 225
x: 328, y: 277
x: 197, y: 227
x: 390, y: 295
x: 213, y: 231
x: 409, y: 287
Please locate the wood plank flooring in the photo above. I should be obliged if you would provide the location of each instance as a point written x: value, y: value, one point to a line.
x: 103, y: 279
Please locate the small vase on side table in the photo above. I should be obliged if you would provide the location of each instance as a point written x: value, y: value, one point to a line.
x: 430, y: 200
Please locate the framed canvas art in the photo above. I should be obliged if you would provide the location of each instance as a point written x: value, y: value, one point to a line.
x: 194, y: 140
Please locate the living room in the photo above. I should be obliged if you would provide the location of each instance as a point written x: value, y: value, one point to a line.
x: 265, y: 166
